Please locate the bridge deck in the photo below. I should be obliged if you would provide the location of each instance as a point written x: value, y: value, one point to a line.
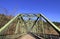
x: 27, y: 36
x: 31, y: 36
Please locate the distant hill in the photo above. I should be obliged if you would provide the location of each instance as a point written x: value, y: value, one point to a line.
x: 4, y: 19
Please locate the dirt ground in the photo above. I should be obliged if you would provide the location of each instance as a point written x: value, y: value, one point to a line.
x: 27, y: 36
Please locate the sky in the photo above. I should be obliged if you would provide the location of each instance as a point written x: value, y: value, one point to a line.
x: 50, y: 8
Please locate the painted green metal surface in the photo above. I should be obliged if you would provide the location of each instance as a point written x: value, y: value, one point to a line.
x: 7, y: 25
x: 51, y: 23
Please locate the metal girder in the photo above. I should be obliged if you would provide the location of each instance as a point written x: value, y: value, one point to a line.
x: 5, y: 27
x: 53, y: 25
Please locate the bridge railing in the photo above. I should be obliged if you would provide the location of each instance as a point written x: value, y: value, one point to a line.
x: 39, y: 25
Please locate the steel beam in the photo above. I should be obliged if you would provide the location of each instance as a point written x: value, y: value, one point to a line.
x: 5, y: 27
x: 53, y: 25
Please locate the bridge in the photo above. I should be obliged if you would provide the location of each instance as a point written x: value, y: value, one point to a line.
x: 35, y: 25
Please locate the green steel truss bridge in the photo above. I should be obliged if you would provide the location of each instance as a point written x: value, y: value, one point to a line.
x: 34, y: 24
